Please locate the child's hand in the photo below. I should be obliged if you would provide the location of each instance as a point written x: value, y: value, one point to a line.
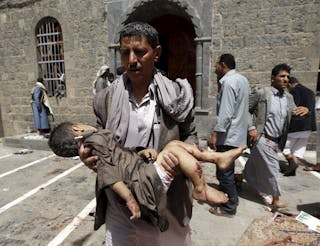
x: 134, y: 208
x: 149, y: 154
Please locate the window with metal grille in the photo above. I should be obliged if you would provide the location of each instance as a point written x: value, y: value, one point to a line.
x: 51, y: 56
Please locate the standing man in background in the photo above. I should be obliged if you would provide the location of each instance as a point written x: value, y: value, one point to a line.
x: 300, y: 129
x: 102, y: 79
x: 41, y: 107
x: 272, y: 108
x: 231, y: 127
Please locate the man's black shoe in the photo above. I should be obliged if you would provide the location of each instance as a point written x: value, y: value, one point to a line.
x: 291, y: 171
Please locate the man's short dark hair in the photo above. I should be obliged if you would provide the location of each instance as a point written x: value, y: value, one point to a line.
x: 293, y: 80
x: 62, y: 140
x: 280, y: 67
x: 228, y: 60
x: 141, y: 29
x: 40, y: 80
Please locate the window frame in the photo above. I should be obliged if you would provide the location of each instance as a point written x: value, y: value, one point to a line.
x: 50, y: 56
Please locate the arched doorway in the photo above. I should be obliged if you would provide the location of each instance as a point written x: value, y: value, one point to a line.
x: 178, y: 58
x: 185, y: 32
x: 181, y: 36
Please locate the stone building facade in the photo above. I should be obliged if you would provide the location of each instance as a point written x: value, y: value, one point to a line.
x: 193, y: 34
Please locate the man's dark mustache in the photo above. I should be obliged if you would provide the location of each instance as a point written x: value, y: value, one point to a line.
x: 133, y: 68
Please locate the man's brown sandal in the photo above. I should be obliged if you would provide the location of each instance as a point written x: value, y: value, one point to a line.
x: 220, y: 212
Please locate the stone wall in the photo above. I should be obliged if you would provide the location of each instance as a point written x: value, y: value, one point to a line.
x: 262, y: 34
x: 85, y: 46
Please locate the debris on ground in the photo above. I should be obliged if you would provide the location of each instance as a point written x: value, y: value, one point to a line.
x: 23, y: 152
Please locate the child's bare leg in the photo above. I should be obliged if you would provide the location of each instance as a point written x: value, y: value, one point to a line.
x: 208, y: 194
x: 221, y: 159
x: 193, y: 170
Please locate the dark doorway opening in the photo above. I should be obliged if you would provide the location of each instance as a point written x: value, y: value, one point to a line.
x: 178, y: 58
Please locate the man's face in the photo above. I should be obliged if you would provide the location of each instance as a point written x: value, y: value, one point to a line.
x: 219, y: 69
x: 280, y: 81
x: 138, y: 58
x: 290, y: 86
x: 106, y: 74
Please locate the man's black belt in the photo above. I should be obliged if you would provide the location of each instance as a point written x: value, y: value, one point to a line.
x: 274, y: 139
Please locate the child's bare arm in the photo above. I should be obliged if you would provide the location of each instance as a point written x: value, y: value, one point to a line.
x: 122, y: 190
x: 149, y: 154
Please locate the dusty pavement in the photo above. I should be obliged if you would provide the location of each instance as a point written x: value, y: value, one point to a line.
x: 45, y: 200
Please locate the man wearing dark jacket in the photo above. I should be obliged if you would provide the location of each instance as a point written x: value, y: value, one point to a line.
x: 300, y: 129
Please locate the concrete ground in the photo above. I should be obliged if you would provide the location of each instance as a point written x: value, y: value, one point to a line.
x: 45, y: 200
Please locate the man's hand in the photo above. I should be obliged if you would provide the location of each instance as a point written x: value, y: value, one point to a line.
x: 253, y: 136
x: 213, y: 140
x: 170, y: 164
x: 87, y: 158
x: 149, y: 154
x: 300, y: 111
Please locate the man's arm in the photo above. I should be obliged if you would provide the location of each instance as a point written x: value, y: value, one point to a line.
x: 253, y: 107
x: 298, y: 111
x: 123, y: 191
x: 225, y: 114
x: 226, y: 109
x: 305, y: 98
x: 254, y: 98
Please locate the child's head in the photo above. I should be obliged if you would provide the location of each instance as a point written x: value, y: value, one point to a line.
x: 62, y: 138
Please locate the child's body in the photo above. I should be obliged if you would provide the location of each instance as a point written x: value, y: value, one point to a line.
x: 120, y: 168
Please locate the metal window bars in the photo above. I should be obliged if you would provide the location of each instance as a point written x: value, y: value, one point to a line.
x: 51, y: 56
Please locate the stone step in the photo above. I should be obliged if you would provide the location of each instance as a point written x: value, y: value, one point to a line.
x: 27, y: 141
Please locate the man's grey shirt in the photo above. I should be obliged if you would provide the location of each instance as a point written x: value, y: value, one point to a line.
x: 232, y: 110
x: 277, y: 115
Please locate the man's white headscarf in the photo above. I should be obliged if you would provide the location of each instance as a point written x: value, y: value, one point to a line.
x: 101, y: 71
